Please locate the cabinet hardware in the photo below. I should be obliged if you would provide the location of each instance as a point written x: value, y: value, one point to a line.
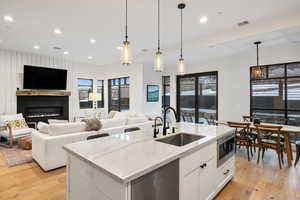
x: 227, y: 171
x: 204, y: 165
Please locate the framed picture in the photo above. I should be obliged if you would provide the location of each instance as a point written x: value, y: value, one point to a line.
x: 152, y: 93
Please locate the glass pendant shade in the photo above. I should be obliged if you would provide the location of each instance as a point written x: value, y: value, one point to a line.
x: 158, y: 62
x: 181, y: 67
x: 126, y: 57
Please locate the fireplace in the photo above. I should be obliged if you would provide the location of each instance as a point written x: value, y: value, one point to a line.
x: 42, y: 108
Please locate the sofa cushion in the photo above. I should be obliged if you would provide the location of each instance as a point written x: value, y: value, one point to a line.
x: 67, y: 128
x: 111, y: 114
x: 110, y: 123
x: 120, y: 115
x: 136, y: 120
x: 18, y: 132
x: 43, y: 127
x: 57, y: 121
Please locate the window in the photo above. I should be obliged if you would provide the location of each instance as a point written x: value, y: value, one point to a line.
x: 85, y: 88
x: 197, y: 97
x: 165, y: 91
x: 277, y: 93
x: 118, y: 94
x: 100, y: 94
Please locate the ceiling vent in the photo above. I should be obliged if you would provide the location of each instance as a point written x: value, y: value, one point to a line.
x: 243, y: 23
x: 57, y: 48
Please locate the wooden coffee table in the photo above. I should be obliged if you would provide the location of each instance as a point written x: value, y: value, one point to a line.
x: 25, y: 143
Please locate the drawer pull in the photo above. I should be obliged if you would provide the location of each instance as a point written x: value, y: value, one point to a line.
x: 227, y: 171
x: 204, y: 165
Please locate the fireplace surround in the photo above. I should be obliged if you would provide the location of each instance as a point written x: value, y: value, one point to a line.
x: 37, y: 108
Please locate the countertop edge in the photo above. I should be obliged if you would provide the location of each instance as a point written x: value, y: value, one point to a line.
x: 125, y: 180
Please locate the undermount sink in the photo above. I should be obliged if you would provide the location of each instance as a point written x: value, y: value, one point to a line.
x: 180, y: 139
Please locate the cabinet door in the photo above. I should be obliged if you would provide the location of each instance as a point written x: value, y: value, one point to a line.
x: 208, y: 179
x: 190, y: 185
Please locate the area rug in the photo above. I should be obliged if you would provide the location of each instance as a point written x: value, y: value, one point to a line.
x: 15, y: 156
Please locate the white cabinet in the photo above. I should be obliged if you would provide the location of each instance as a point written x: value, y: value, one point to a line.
x: 208, y: 181
x: 190, y: 185
x: 198, y: 174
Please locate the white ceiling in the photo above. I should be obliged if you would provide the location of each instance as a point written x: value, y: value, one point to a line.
x: 80, y: 20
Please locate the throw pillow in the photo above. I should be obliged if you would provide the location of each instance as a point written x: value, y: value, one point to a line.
x: 17, y: 124
x: 92, y: 124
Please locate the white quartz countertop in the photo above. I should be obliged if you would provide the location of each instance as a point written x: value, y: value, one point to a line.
x: 126, y: 157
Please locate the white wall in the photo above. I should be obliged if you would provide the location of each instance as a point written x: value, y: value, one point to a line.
x: 234, y: 76
x: 11, y: 77
x: 140, y: 75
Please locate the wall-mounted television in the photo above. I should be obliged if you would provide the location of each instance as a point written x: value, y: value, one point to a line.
x: 43, y: 78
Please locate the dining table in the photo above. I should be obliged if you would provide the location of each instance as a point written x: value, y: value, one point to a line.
x: 285, y: 131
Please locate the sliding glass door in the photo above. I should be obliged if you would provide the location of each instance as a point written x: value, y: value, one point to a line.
x: 197, y: 97
x: 187, y: 92
x: 207, y: 98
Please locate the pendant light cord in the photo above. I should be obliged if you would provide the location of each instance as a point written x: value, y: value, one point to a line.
x: 181, y: 34
x: 158, y: 22
x: 257, y: 56
x: 126, y: 19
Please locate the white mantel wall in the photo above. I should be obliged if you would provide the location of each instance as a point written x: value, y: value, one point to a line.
x: 234, y: 76
x: 11, y: 77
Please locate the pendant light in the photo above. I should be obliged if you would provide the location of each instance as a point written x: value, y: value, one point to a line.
x: 258, y: 71
x: 158, y: 62
x: 181, y: 67
x: 126, y: 57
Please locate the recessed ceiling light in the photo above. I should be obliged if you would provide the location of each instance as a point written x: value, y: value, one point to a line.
x: 90, y: 57
x: 203, y: 19
x: 8, y: 18
x: 36, y: 47
x: 57, y: 31
x: 92, y: 40
x: 66, y: 52
x: 119, y: 48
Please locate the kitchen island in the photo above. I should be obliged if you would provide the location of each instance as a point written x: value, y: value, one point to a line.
x: 135, y: 166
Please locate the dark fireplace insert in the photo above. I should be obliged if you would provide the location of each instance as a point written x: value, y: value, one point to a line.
x: 42, y: 108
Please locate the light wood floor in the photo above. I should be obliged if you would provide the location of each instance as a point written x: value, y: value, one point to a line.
x: 251, y: 182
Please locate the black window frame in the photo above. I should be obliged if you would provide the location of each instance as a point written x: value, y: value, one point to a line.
x: 164, y: 86
x: 90, y: 103
x: 196, y: 76
x: 126, y: 82
x: 100, y: 104
x: 286, y: 110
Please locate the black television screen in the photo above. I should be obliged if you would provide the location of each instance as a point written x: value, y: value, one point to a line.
x: 42, y: 78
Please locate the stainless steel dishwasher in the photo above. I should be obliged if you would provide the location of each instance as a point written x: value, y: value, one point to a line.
x: 161, y: 184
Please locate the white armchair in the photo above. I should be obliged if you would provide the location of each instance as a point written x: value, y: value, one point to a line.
x: 14, y: 127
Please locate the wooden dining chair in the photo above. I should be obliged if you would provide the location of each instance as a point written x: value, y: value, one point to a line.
x: 242, y: 136
x: 247, y: 118
x: 269, y: 137
x: 274, y: 120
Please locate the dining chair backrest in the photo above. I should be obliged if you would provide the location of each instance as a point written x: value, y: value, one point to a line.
x: 247, y: 118
x: 274, y: 120
x: 270, y: 132
x: 241, y: 128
